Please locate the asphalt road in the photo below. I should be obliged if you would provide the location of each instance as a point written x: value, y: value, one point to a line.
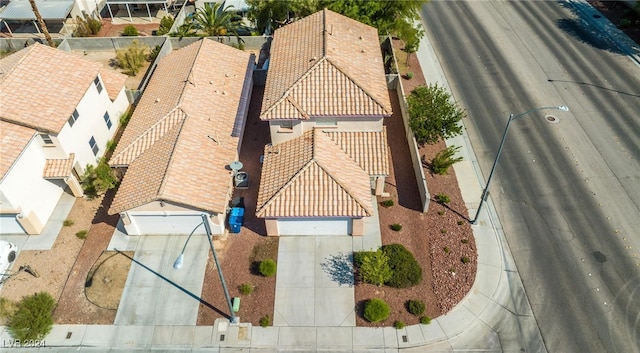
x: 567, y: 192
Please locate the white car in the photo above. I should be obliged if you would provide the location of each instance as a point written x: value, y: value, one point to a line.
x: 8, y: 252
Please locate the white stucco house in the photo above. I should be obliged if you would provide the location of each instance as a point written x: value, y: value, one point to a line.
x: 57, y: 112
x: 325, y: 99
x: 185, y: 131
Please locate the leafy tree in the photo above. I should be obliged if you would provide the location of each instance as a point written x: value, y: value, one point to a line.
x: 87, y: 26
x: 33, y: 318
x: 269, y: 15
x: 165, y: 25
x: 215, y: 20
x: 433, y: 115
x: 375, y: 268
x: 132, y: 58
x: 97, y: 180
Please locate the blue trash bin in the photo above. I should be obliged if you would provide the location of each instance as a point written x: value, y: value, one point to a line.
x: 236, y: 218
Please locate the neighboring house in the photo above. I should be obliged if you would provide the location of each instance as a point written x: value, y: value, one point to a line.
x: 55, y: 13
x: 184, y: 133
x: 325, y: 100
x: 57, y: 112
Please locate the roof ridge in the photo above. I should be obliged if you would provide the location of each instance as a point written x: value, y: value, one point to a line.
x: 357, y: 84
x: 28, y: 51
x: 287, y: 92
x: 149, y: 130
x: 164, y: 176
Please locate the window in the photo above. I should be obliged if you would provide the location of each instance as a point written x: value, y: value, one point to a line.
x: 74, y: 117
x: 326, y: 122
x: 46, y: 139
x: 286, y: 126
x: 94, y: 146
x: 98, y: 84
x: 107, y: 119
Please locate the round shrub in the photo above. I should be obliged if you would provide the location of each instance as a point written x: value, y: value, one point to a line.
x: 265, y: 321
x: 130, y: 31
x: 415, y: 307
x: 406, y: 270
x: 33, y: 318
x: 399, y: 325
x: 268, y: 268
x: 465, y: 260
x: 82, y: 234
x: 425, y: 320
x: 396, y: 227
x: 246, y: 289
x: 443, y: 198
x: 387, y: 203
x: 376, y: 310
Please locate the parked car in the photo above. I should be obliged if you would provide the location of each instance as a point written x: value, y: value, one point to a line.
x: 8, y: 252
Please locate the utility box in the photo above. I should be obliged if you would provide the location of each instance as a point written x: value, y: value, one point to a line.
x: 236, y: 219
x: 236, y: 304
x: 241, y: 180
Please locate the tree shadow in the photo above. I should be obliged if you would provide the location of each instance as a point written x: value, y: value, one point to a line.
x: 339, y: 268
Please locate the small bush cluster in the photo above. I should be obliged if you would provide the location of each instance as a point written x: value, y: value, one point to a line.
x: 68, y: 222
x: 441, y: 213
x: 464, y: 241
x: 165, y: 25
x: 33, y: 317
x: 447, y: 250
x: 376, y: 310
x: 399, y: 324
x: 130, y: 31
x: 98, y: 179
x: 425, y: 320
x: 387, y: 203
x: 396, y: 227
x: 460, y: 222
x: 465, y: 260
x: 443, y: 198
x: 406, y: 270
x: 443, y: 160
x: 416, y: 307
x: 267, y: 268
x: 82, y: 234
x: 132, y: 58
x: 87, y: 26
x: 409, y: 75
x: 443, y: 231
x: 374, y: 268
x: 265, y: 321
x: 246, y: 288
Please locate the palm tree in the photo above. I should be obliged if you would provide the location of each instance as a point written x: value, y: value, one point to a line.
x: 216, y: 21
x: 47, y: 36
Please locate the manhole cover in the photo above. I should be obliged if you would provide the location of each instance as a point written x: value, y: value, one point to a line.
x: 552, y: 119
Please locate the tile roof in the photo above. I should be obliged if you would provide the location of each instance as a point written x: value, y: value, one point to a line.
x: 58, y: 168
x: 41, y: 86
x: 13, y: 140
x: 367, y: 148
x: 310, y: 176
x: 325, y: 64
x: 179, y: 141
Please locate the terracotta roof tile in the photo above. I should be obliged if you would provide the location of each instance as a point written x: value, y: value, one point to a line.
x: 179, y: 141
x: 35, y: 95
x: 58, y: 168
x: 13, y: 140
x: 325, y: 64
x: 367, y: 148
x: 310, y: 176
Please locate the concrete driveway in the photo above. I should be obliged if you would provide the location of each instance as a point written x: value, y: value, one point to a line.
x: 147, y: 299
x: 314, y: 284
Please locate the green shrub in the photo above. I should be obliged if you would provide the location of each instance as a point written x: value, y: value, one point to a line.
x: 387, y: 203
x: 425, y: 320
x: 443, y: 160
x: 132, y: 58
x: 464, y: 241
x: 68, y: 222
x: 415, y: 307
x: 359, y: 256
x: 153, y: 54
x: 433, y: 115
x: 130, y: 31
x: 265, y: 321
x: 98, y: 179
x: 374, y: 268
x: 465, y: 260
x: 443, y: 231
x: 376, y: 310
x: 406, y: 270
x: 396, y: 227
x: 268, y: 268
x: 460, y: 222
x: 87, y: 26
x: 246, y: 288
x: 452, y: 270
x: 33, y: 318
x: 165, y: 25
x: 399, y: 324
x: 447, y: 250
x: 441, y: 213
x: 82, y: 234
x: 124, y: 118
x: 409, y: 75
x: 443, y: 198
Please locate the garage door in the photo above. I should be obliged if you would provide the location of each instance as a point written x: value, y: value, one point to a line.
x: 171, y: 224
x: 314, y: 226
x: 9, y: 224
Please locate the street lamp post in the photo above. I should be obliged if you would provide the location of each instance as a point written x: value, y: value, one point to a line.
x: 180, y: 260
x: 512, y: 117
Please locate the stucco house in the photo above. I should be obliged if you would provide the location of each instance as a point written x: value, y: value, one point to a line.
x: 325, y: 100
x: 184, y: 133
x: 57, y: 112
